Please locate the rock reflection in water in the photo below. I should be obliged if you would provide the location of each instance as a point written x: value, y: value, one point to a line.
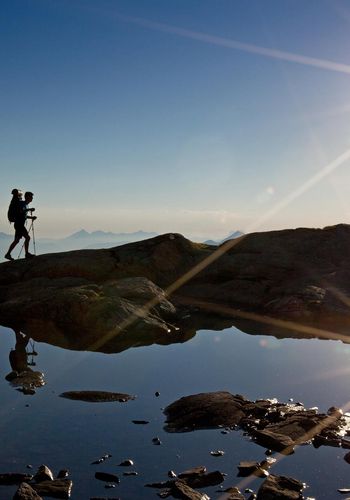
x: 22, y: 376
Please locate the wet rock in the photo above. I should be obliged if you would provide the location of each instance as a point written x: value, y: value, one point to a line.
x: 204, y: 480
x: 107, y: 477
x: 206, y: 410
x: 347, y: 457
x: 277, y: 426
x: 58, y: 488
x: 157, y: 394
x: 109, y: 485
x: 26, y: 379
x: 194, y: 471
x: 156, y: 441
x: 344, y: 490
x: 97, y: 396
x: 280, y: 488
x: 140, y: 422
x: 126, y: 463
x: 233, y: 493
x: 26, y: 492
x: 63, y: 474
x: 98, y: 461
x: 247, y: 468
x: 130, y: 473
x: 43, y: 474
x: 171, y: 474
x: 14, y: 478
x: 182, y: 490
x: 217, y: 453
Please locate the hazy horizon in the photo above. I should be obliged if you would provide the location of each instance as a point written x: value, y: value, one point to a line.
x: 195, y: 117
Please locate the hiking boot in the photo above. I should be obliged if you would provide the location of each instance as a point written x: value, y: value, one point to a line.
x: 29, y: 255
x: 8, y: 256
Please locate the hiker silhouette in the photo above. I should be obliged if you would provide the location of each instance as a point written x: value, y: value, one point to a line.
x: 18, y: 214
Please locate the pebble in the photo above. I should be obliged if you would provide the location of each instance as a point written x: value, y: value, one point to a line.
x: 109, y: 485
x: 140, y: 422
x: 130, y: 473
x: 126, y: 463
x: 217, y: 453
x: 29, y: 466
x: 63, y: 474
x: 156, y: 441
x: 157, y: 394
x: 172, y: 474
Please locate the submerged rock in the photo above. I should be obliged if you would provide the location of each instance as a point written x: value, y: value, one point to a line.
x: 97, y: 396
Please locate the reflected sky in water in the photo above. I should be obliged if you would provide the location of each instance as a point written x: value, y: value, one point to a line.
x: 71, y: 434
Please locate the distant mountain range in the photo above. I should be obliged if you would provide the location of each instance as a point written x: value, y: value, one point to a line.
x: 76, y: 241
x: 231, y: 236
x: 84, y: 240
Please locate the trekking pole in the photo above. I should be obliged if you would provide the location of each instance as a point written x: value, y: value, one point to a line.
x: 33, y: 237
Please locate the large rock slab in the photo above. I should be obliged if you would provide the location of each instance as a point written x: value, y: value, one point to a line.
x: 274, y: 425
x: 97, y: 296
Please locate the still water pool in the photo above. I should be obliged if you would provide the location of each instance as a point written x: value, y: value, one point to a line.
x: 62, y: 433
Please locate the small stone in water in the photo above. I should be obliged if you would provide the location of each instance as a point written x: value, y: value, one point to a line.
x: 344, y: 490
x: 109, y: 485
x: 140, y: 422
x: 171, y: 473
x: 63, y: 474
x: 347, y: 457
x: 99, y: 461
x: 217, y: 453
x: 156, y: 441
x: 130, y: 473
x: 126, y: 463
x: 29, y: 466
x: 157, y: 394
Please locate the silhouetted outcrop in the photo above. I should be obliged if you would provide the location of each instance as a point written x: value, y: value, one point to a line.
x: 143, y: 292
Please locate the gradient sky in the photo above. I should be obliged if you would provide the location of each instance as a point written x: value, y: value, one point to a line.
x: 172, y: 116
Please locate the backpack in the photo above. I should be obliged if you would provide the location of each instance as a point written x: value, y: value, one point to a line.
x: 13, y: 210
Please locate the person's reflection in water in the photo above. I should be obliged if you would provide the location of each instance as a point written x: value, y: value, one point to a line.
x: 22, y: 376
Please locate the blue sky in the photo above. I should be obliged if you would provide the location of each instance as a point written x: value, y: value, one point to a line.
x: 126, y: 115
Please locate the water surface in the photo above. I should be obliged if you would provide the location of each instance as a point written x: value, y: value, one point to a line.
x: 45, y: 428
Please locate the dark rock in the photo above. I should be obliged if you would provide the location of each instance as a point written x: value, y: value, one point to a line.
x: 280, y: 488
x: 140, y: 422
x: 282, y: 427
x: 43, y: 474
x: 107, y: 477
x: 58, y: 488
x: 233, y: 493
x: 63, y: 474
x: 126, y: 463
x: 182, y: 490
x: 194, y: 471
x: 156, y: 441
x: 116, y: 296
x: 204, y: 480
x: 347, y: 457
x: 26, y: 492
x: 96, y: 396
x: 130, y: 473
x: 344, y: 490
x: 157, y: 394
x: 171, y: 474
x: 14, y: 478
x: 206, y: 410
x: 217, y: 453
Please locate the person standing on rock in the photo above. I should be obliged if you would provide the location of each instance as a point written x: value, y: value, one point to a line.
x: 19, y: 215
